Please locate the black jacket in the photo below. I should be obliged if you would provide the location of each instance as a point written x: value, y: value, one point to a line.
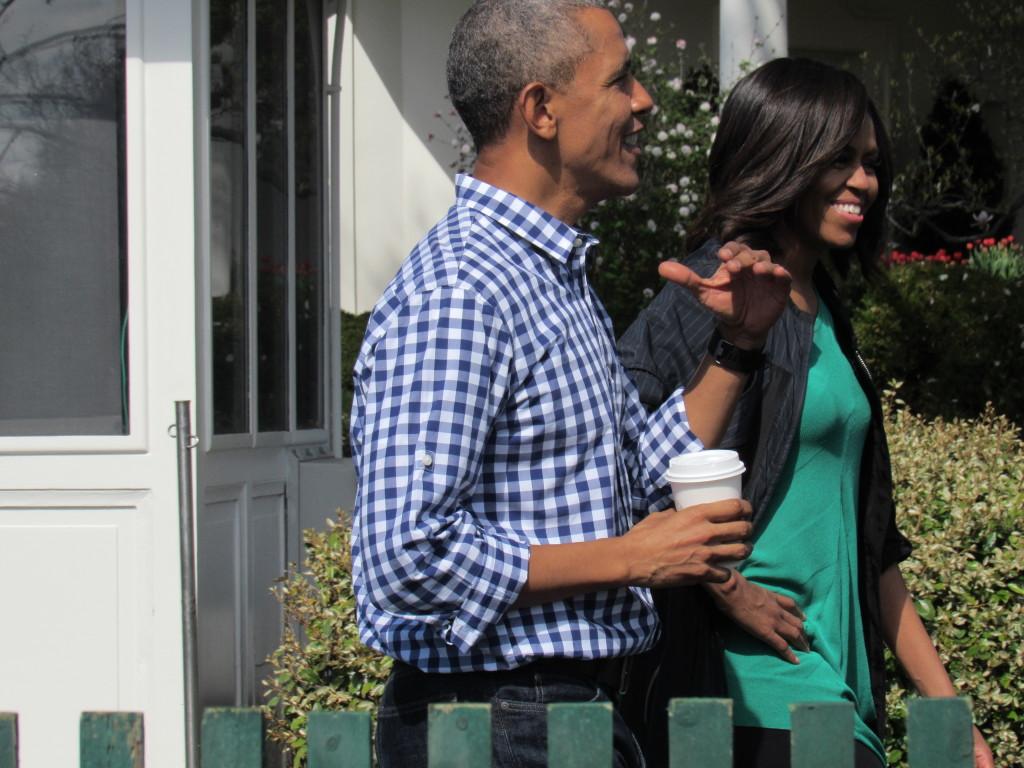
x: 662, y: 349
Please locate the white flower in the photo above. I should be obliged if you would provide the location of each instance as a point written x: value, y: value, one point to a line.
x: 655, y: 110
x: 688, y: 133
x: 652, y: 40
x: 612, y: 3
x: 648, y: 293
x: 715, y: 120
x: 672, y: 188
x: 705, y: 106
x: 684, y: 211
x: 684, y: 198
x: 622, y: 18
x: 655, y: 16
x: 975, y: 107
x: 982, y: 219
x: 684, y: 181
x: 656, y: 151
x: 676, y: 84
x: 662, y: 136
x: 670, y: 155
x: 680, y: 127
x: 651, y: 225
x: 687, y: 150
x: 630, y: 42
x: 944, y: 276
x: 465, y: 149
x: 681, y: 44
x: 679, y: 229
x: 598, y: 261
x: 628, y: 7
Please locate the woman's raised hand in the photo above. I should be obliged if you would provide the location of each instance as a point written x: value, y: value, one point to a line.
x: 747, y: 293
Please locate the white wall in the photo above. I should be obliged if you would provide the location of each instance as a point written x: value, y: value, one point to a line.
x: 400, y: 183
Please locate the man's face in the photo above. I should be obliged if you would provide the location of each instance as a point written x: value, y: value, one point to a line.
x: 598, y: 116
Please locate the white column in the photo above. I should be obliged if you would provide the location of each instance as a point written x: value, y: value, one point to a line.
x: 749, y: 32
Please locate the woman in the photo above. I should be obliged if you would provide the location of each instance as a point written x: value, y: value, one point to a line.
x: 800, y: 167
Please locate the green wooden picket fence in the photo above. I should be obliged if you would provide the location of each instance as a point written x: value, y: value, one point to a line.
x: 579, y: 736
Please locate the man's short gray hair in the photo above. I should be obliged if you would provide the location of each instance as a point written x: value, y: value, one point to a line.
x: 499, y: 46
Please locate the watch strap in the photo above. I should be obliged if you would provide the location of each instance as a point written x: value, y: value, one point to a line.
x: 733, y: 358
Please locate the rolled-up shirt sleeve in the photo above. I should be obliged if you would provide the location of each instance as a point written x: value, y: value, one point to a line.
x: 428, y: 393
x: 651, y: 442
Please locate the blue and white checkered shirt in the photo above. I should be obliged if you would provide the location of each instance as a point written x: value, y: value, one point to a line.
x: 491, y: 413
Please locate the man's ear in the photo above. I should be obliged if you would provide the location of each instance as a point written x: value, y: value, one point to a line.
x: 534, y: 105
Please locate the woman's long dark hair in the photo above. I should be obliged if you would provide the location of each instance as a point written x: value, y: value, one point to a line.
x: 781, y: 126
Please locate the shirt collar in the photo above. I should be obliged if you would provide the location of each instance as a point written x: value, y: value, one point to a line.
x: 523, y: 219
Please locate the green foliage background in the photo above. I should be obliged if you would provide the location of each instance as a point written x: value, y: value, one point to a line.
x: 952, y: 333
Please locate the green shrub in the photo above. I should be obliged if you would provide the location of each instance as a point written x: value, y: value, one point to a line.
x: 320, y: 664
x: 951, y: 331
x: 352, y: 329
x: 959, y: 489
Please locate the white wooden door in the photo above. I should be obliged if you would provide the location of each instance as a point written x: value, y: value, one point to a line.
x: 97, y: 342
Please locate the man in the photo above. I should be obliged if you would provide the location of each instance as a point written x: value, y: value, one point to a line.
x: 507, y: 526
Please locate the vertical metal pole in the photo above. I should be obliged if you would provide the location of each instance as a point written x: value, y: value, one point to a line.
x: 185, y: 440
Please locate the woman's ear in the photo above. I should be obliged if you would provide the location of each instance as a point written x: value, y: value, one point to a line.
x: 534, y: 105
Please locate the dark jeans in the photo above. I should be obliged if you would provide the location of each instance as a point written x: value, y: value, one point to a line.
x: 769, y: 748
x: 518, y: 700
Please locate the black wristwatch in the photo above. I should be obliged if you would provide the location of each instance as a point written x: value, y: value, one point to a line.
x: 731, y: 357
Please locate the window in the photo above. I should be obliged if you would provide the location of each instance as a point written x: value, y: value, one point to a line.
x: 63, y: 291
x: 266, y: 192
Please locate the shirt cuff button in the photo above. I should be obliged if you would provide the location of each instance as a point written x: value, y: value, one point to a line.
x: 426, y: 459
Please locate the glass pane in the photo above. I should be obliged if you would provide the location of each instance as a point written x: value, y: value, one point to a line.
x: 228, y: 216
x: 63, y: 294
x: 272, y: 213
x: 309, y: 261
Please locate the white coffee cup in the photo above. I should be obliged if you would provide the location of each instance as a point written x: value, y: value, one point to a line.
x: 704, y: 477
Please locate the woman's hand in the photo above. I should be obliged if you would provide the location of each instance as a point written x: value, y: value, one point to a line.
x: 982, y: 754
x: 746, y: 294
x: 772, y: 618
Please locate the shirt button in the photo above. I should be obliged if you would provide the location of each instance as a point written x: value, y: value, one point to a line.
x: 426, y: 459
x: 578, y: 242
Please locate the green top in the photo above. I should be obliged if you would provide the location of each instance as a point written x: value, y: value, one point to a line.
x: 805, y: 546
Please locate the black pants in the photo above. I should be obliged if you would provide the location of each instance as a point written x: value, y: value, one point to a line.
x: 769, y: 748
x: 518, y: 700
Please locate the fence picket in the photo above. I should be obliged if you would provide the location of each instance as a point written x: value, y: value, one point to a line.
x: 822, y: 734
x: 232, y: 738
x: 700, y: 733
x: 8, y: 740
x: 939, y: 733
x: 580, y: 735
x: 111, y: 740
x: 459, y: 736
x: 338, y: 739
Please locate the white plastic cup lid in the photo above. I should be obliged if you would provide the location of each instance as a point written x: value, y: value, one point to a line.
x: 704, y: 465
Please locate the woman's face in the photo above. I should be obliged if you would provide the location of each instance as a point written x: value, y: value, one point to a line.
x: 830, y: 213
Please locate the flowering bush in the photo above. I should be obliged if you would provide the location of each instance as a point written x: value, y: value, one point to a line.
x: 1002, y: 259
x: 649, y: 226
x: 951, y: 328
